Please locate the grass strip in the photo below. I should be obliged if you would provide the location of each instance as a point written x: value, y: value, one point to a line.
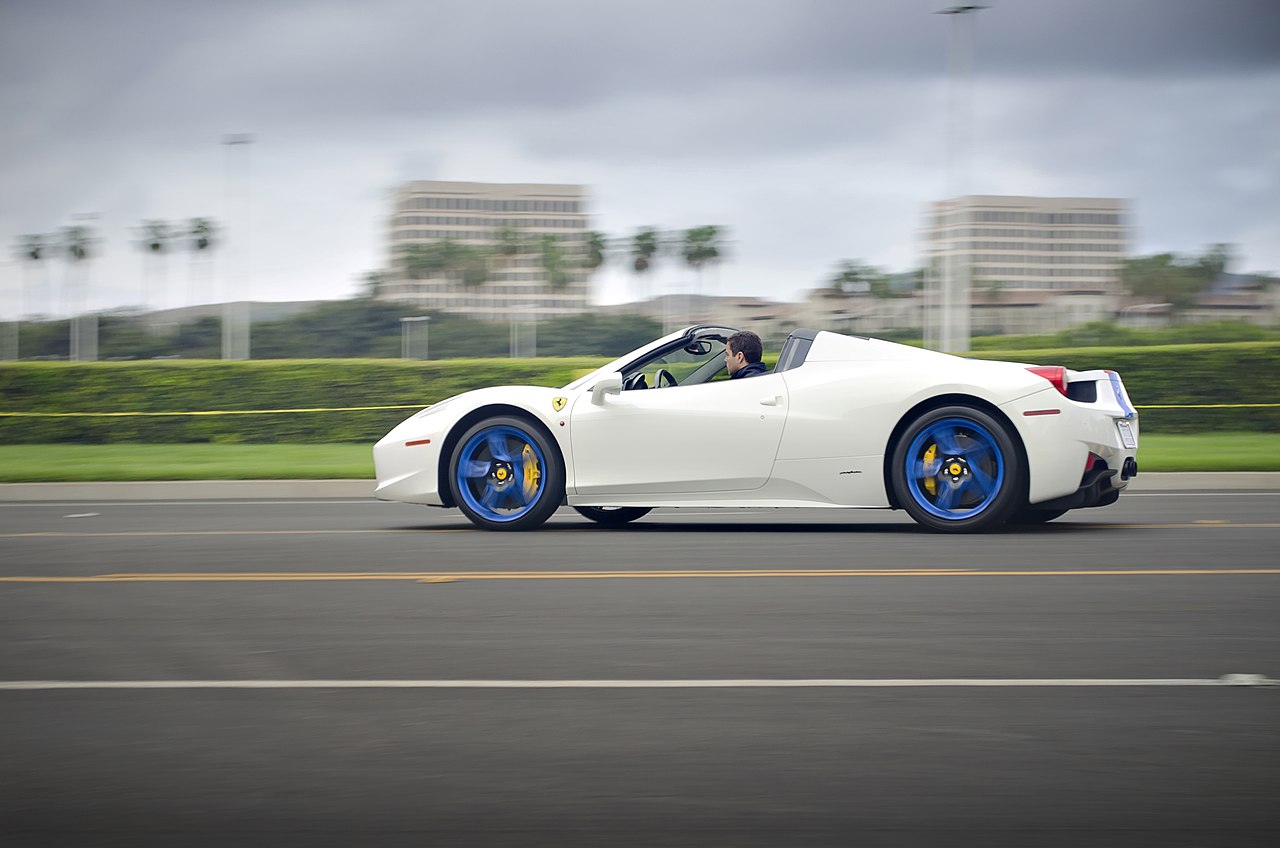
x: 67, y: 463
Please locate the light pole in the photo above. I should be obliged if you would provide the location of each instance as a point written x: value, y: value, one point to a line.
x: 9, y: 349
x: 406, y: 348
x: 952, y: 313
x: 235, y: 314
x: 78, y: 247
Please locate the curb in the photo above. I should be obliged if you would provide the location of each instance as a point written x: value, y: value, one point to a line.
x: 1191, y: 481
x: 187, y: 490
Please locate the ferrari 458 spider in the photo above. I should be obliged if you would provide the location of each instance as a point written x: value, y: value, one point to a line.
x: 842, y: 421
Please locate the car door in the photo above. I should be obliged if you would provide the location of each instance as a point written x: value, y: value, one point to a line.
x: 712, y: 437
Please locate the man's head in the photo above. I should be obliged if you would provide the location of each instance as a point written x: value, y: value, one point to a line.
x: 742, y: 348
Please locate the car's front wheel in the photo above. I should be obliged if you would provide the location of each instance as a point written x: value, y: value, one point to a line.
x: 613, y: 516
x: 506, y: 475
x: 956, y: 470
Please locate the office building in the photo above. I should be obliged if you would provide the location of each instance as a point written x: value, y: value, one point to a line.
x: 514, y: 226
x: 985, y: 243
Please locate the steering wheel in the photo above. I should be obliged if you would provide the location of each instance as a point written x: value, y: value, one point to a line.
x: 662, y: 376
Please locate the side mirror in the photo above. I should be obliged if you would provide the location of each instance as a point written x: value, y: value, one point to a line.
x: 609, y: 385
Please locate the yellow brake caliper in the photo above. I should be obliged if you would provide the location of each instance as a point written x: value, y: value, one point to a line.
x: 930, y: 458
x: 532, y: 472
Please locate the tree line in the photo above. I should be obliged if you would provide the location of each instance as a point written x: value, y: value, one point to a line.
x: 475, y: 265
x: 76, y: 245
x: 347, y: 329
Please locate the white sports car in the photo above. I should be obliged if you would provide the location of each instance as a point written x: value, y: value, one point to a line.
x: 842, y: 421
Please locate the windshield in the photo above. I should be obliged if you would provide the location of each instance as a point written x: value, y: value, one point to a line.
x: 686, y: 365
x: 647, y: 357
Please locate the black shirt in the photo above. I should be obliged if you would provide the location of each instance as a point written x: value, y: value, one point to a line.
x: 751, y: 369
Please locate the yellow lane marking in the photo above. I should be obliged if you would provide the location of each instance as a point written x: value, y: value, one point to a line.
x: 1235, y: 680
x: 450, y: 576
x: 1195, y: 525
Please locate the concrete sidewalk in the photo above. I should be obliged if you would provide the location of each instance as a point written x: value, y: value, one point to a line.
x: 318, y: 489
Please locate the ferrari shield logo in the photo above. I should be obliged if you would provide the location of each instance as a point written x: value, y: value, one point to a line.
x: 559, y: 403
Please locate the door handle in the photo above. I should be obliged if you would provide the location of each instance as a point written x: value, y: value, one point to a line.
x: 771, y: 401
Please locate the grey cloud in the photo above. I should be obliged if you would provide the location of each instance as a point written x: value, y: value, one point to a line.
x: 815, y: 128
x: 306, y: 60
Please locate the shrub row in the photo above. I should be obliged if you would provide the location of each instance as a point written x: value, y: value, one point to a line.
x: 1183, y: 374
x: 194, y: 386
x: 1240, y: 372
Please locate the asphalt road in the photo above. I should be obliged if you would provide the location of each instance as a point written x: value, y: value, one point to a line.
x: 350, y: 672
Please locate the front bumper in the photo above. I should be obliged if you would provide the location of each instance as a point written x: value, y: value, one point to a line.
x: 406, y: 463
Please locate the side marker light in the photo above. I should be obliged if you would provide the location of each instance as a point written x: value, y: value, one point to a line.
x: 418, y: 442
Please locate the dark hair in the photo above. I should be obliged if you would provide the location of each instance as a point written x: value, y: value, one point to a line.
x: 748, y: 344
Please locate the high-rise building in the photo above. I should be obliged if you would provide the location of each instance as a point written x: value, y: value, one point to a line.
x: 530, y: 239
x: 986, y: 242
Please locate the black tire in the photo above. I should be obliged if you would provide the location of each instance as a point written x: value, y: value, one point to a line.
x: 978, y: 481
x: 495, y: 488
x: 613, y: 516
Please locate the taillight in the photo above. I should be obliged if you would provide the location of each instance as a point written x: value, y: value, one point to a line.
x: 1055, y: 374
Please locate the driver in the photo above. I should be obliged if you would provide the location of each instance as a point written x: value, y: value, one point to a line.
x: 742, y: 354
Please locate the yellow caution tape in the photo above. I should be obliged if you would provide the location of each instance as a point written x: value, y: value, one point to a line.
x: 203, y: 412
x: 1210, y: 406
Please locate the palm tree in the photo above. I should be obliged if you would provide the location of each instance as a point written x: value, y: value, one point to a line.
x: 597, y: 246
x: 31, y: 249
x: 76, y: 246
x: 466, y: 264
x: 553, y: 261
x: 202, y: 234
x: 508, y: 241
x: 852, y: 277
x: 644, y: 247
x: 421, y: 260
x: 154, y: 244
x: 701, y: 247
x: 472, y: 264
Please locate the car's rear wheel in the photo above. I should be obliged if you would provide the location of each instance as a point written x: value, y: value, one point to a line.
x: 613, y: 516
x: 956, y: 470
x: 506, y: 475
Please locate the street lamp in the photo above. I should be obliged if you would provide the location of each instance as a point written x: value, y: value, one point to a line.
x: 235, y: 315
x: 9, y: 350
x: 952, y: 318
x: 405, y: 347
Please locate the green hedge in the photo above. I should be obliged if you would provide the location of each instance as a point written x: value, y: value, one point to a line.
x: 1247, y: 372
x: 189, y: 386
x: 1241, y: 372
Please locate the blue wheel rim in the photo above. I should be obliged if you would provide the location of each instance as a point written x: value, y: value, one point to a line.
x: 500, y: 473
x: 954, y: 469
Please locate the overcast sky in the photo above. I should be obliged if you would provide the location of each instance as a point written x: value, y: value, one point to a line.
x: 814, y: 131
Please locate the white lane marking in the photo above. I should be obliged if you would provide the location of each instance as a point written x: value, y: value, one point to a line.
x: 672, y: 511
x: 818, y: 683
x: 82, y: 515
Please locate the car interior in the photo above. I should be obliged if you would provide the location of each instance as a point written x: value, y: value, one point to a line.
x: 700, y: 359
